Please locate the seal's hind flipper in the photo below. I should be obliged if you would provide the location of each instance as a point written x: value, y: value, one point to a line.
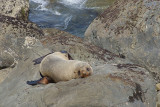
x: 35, y: 82
x: 43, y: 80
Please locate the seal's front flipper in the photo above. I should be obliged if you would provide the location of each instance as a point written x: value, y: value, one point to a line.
x: 38, y: 60
x: 44, y: 80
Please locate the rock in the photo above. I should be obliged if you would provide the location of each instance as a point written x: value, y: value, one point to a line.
x: 130, y: 28
x: 4, y: 73
x: 57, y: 40
x: 99, y: 4
x: 128, y: 85
x: 6, y: 60
x: 15, y: 34
x: 15, y: 8
x: 115, y: 82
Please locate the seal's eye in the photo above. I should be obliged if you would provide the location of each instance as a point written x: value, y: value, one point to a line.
x: 79, y: 73
x: 88, y: 69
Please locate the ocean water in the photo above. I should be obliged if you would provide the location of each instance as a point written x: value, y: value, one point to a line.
x: 68, y: 15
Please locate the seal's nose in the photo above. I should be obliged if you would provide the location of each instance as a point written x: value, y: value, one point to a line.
x: 85, y: 74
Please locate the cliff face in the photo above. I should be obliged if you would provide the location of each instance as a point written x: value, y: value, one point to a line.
x: 130, y: 28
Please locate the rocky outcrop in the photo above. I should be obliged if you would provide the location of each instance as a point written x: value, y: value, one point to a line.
x: 110, y: 85
x: 15, y: 34
x: 15, y: 8
x: 57, y: 40
x: 115, y: 82
x: 131, y: 28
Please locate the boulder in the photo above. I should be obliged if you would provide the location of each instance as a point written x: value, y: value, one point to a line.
x: 115, y: 82
x: 57, y: 40
x: 130, y: 28
x: 15, y: 34
x: 15, y: 8
x: 124, y: 85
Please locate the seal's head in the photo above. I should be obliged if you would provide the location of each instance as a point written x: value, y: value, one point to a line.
x: 84, y: 70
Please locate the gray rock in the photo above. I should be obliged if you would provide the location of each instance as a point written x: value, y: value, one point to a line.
x: 57, y: 40
x: 15, y: 34
x: 130, y: 28
x: 15, y: 8
x: 4, y: 73
x: 115, y: 81
x: 6, y: 60
x: 123, y: 85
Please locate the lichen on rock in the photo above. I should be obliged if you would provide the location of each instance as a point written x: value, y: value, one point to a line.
x: 15, y: 8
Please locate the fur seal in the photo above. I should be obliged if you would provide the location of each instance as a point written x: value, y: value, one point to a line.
x: 57, y: 67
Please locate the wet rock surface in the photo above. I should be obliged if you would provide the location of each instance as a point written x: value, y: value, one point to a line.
x: 130, y: 28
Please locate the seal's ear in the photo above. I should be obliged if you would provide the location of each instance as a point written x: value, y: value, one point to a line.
x: 62, y: 51
x: 69, y: 56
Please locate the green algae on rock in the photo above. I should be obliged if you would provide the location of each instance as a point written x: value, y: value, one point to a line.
x: 15, y: 8
x: 99, y: 4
